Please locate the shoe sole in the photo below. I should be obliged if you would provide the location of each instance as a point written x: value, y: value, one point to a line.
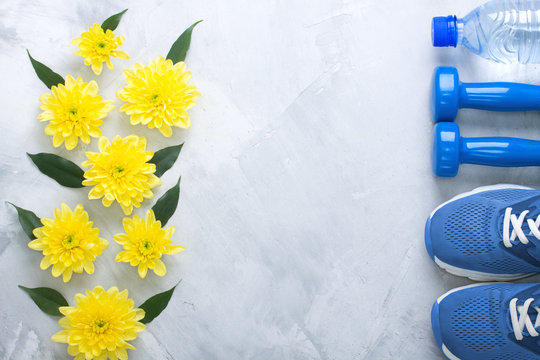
x: 435, y: 321
x: 471, y: 274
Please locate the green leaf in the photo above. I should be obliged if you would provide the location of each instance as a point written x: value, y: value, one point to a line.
x: 112, y: 22
x: 165, y: 158
x: 156, y: 304
x: 181, y: 46
x: 45, y: 74
x: 65, y: 172
x: 166, y: 205
x: 47, y: 299
x: 29, y: 221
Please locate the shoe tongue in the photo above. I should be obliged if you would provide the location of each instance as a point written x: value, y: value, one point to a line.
x: 534, y: 315
x: 534, y: 211
x: 534, y: 250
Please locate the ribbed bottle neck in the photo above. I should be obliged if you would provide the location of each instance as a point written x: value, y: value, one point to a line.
x: 459, y: 31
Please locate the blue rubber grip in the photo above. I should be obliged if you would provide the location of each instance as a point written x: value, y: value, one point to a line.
x: 499, y: 151
x: 499, y: 96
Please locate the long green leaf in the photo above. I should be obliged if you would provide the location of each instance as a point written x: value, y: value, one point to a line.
x: 156, y: 304
x: 165, y: 158
x: 166, y: 205
x: 112, y: 22
x: 45, y: 74
x: 29, y: 221
x: 65, y: 172
x: 47, y: 299
x: 180, y: 47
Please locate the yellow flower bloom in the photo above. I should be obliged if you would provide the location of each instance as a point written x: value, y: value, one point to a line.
x: 158, y: 95
x: 100, y: 324
x: 69, y: 242
x: 144, y: 243
x: 74, y: 111
x: 97, y: 46
x: 121, y: 172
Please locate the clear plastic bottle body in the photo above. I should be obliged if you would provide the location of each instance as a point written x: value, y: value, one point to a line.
x: 505, y: 31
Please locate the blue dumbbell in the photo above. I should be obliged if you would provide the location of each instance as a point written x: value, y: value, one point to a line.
x: 449, y: 95
x: 450, y: 150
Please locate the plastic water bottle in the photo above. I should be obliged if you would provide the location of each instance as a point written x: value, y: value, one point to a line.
x: 505, y: 31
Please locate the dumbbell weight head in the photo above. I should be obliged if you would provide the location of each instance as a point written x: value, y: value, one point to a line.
x: 445, y: 155
x: 445, y: 94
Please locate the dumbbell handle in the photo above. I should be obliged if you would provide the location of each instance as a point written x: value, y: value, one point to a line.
x: 450, y: 150
x: 499, y: 151
x: 449, y: 94
x: 499, y: 96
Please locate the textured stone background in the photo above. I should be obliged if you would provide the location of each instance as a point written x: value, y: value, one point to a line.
x: 306, y: 176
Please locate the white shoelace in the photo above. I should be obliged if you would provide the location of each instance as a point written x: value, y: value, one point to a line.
x: 517, y: 231
x: 524, y: 321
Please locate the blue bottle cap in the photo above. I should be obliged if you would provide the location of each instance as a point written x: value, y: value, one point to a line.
x: 444, y: 31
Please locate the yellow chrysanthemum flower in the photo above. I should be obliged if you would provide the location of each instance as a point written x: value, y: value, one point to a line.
x: 121, y: 172
x: 158, y: 95
x: 74, y: 111
x: 69, y: 242
x: 100, y: 325
x: 145, y: 242
x: 97, y: 46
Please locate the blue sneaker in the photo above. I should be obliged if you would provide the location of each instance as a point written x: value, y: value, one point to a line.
x: 488, y: 322
x: 490, y: 233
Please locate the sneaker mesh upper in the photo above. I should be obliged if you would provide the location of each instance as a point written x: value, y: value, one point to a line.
x: 475, y: 323
x: 508, y: 265
x: 512, y: 356
x: 468, y: 228
x: 506, y: 195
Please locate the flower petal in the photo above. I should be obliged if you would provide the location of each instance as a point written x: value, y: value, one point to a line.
x: 143, y: 269
x: 61, y: 336
x: 159, y: 268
